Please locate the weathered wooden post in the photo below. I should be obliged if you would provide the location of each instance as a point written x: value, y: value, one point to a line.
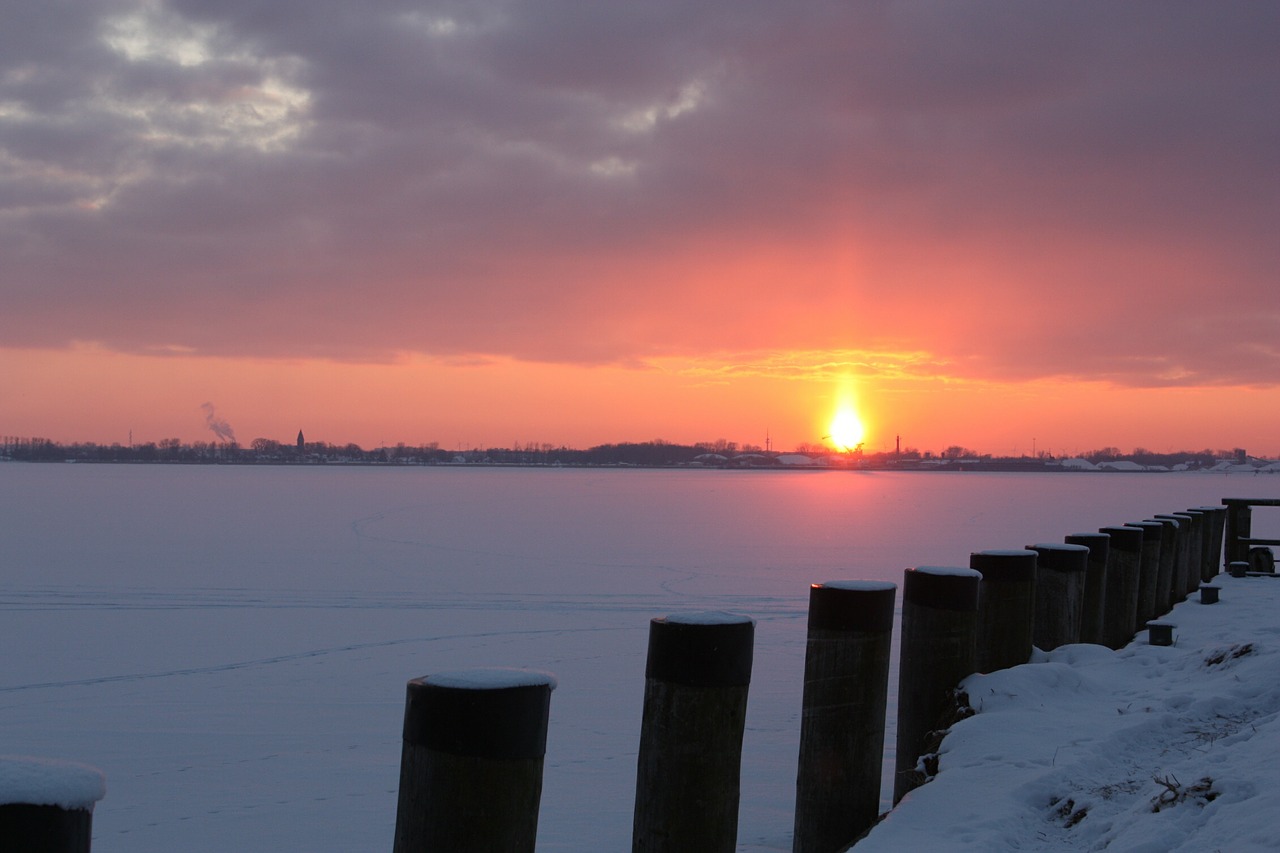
x: 1262, y: 560
x: 1199, y: 548
x: 46, y: 805
x: 1148, y: 567
x: 471, y: 764
x: 695, y: 704
x: 1239, y: 527
x: 1215, y: 517
x: 1238, y: 569
x: 842, y: 721
x: 1006, y: 608
x: 939, y: 627
x: 1060, y: 578
x: 1168, y: 558
x: 1160, y: 633
x: 1209, y: 593
x: 1123, y: 567
x: 1184, y: 576
x: 1095, y: 584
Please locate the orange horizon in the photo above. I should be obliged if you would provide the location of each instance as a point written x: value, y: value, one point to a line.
x: 88, y: 394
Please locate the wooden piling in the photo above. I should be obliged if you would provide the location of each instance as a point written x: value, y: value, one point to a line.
x: 1199, y: 548
x: 47, y: 805
x: 939, y: 627
x: 695, y: 702
x: 1239, y: 524
x: 1006, y: 608
x: 1123, y: 568
x: 471, y: 763
x: 842, y: 721
x: 1060, y: 578
x: 1184, y: 577
x: 1148, y: 567
x: 1095, y: 585
x: 1160, y: 633
x: 1216, y: 517
x: 1165, y: 596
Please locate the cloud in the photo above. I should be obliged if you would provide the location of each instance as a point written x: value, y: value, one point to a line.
x: 1080, y: 189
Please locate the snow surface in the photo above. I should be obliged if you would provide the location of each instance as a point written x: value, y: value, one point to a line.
x: 230, y: 645
x: 948, y: 571
x: 1059, y: 546
x: 861, y: 586
x: 1007, y: 552
x: 36, y: 781
x: 490, y: 678
x: 706, y: 617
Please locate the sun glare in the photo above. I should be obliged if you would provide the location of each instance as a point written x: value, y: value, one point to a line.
x: 846, y: 431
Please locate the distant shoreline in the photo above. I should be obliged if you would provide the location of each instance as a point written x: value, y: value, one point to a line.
x: 718, y: 455
x: 959, y: 467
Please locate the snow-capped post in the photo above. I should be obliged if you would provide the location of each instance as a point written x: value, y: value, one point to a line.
x: 1160, y: 633
x: 1239, y: 528
x: 1123, y: 566
x: 695, y: 702
x: 1006, y: 608
x: 1092, y: 628
x: 471, y: 763
x: 1190, y: 548
x: 1165, y: 575
x: 1060, y: 576
x: 1148, y: 567
x: 1184, y: 578
x: 842, y: 721
x: 1209, y: 593
x: 1199, y: 548
x: 1262, y: 560
x: 936, y: 653
x: 46, y: 805
x: 1238, y: 569
x: 1210, y: 559
x: 1214, y: 518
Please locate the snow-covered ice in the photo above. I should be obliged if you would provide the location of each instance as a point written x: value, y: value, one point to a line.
x: 230, y: 645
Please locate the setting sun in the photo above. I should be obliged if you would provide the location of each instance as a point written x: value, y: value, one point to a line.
x: 846, y: 429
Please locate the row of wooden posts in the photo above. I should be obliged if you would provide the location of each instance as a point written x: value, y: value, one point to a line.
x: 474, y: 741
x: 471, y: 776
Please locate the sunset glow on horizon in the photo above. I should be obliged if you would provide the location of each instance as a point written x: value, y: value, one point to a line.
x: 1003, y: 226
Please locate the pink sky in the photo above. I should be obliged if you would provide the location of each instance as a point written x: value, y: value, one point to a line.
x: 993, y: 223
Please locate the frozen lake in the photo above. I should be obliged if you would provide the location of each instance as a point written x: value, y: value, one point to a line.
x: 230, y: 645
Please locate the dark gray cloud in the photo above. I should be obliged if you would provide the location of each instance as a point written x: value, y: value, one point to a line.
x: 601, y: 181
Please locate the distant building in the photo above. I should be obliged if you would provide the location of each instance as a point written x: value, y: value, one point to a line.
x: 301, y: 442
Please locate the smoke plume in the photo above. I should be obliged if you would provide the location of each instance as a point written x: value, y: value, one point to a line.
x: 220, y: 428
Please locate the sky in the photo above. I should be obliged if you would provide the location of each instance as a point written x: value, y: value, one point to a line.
x: 1013, y: 227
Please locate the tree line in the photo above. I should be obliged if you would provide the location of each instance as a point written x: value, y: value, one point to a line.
x: 654, y: 453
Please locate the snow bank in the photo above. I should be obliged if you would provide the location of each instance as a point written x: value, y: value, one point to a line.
x: 50, y: 782
x: 1145, y: 749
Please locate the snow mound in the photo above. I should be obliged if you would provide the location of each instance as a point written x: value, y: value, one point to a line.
x: 50, y: 782
x: 491, y: 678
x: 1149, y: 748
